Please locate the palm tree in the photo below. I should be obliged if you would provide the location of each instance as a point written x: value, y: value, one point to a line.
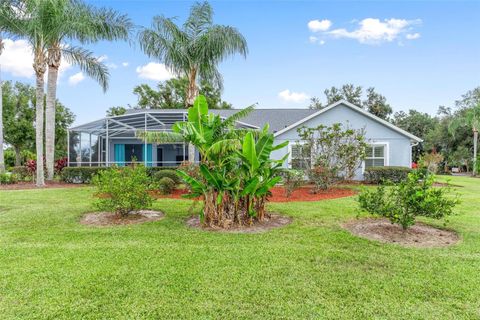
x: 2, y: 158
x: 74, y: 20
x: 194, y: 49
x: 471, y: 118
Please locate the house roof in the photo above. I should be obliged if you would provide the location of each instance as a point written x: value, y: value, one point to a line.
x: 355, y: 108
x: 280, y: 120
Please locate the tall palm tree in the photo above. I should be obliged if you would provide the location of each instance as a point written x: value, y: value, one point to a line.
x: 471, y: 118
x: 29, y: 20
x: 2, y: 158
x: 194, y: 49
x: 74, y: 20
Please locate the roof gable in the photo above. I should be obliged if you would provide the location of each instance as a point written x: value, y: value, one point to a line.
x: 355, y: 108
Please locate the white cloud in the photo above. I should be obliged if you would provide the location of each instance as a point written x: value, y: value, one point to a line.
x: 317, y: 25
x: 295, y: 97
x: 17, y: 59
x: 125, y: 64
x: 413, y: 36
x: 154, y: 71
x: 321, y: 42
x: 374, y: 31
x: 313, y: 39
x: 76, y: 79
x: 112, y: 66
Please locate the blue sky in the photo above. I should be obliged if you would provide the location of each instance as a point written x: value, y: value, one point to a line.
x: 418, y: 54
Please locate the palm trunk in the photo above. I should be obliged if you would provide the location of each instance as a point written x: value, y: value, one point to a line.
x: 475, y: 142
x: 40, y: 83
x: 192, y: 93
x: 2, y: 157
x: 50, y: 120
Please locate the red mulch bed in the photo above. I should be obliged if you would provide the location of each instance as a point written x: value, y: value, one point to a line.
x: 278, y: 194
x: 22, y: 185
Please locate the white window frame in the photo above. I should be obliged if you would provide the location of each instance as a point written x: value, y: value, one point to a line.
x: 386, y: 152
x: 289, y: 159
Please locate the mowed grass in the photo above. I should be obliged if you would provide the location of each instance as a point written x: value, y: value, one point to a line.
x: 51, y: 267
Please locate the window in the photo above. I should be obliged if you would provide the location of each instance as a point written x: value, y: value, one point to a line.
x: 300, y: 157
x: 375, y: 156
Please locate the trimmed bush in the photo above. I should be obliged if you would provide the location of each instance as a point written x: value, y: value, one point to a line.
x: 166, y: 185
x: 379, y: 175
x: 123, y: 190
x: 8, y: 178
x: 403, y: 202
x: 79, y: 174
x: 22, y: 173
x: 172, y: 174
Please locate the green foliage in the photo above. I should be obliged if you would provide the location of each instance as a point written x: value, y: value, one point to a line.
x: 194, y: 49
x: 172, y: 94
x: 380, y: 175
x: 166, y: 185
x: 8, y: 178
x: 236, y: 172
x: 123, y: 190
x: 167, y: 173
x: 22, y: 173
x: 292, y: 180
x: 410, y: 198
x: 374, y: 102
x: 116, y: 111
x: 331, y: 153
x: 79, y: 174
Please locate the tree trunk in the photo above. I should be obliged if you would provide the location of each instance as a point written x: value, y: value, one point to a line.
x: 192, y: 93
x: 475, y: 142
x: 54, y: 58
x: 18, y: 156
x: 40, y: 83
x: 2, y: 157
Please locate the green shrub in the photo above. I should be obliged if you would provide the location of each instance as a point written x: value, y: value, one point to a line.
x: 8, y: 178
x: 122, y: 190
x: 410, y: 198
x: 386, y: 174
x: 292, y: 180
x: 22, y: 173
x: 79, y: 174
x: 172, y: 174
x: 151, y: 171
x: 166, y: 185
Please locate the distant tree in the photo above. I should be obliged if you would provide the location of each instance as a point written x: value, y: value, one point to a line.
x: 315, y: 103
x: 172, y: 94
x: 116, y: 111
x: 376, y: 104
x: 18, y: 116
x: 417, y: 123
x: 373, y: 102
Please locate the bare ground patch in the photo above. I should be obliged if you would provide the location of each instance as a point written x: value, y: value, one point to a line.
x: 273, y: 221
x: 420, y: 235
x: 105, y: 219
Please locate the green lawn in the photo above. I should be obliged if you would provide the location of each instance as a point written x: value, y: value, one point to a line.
x: 53, y: 267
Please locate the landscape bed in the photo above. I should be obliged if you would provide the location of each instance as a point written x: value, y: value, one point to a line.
x: 51, y: 266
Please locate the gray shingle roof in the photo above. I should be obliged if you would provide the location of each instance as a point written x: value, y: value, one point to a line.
x: 277, y: 118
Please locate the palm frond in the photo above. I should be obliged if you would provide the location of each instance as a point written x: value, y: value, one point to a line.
x: 223, y: 146
x: 160, y: 136
x: 200, y: 19
x: 88, y: 63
